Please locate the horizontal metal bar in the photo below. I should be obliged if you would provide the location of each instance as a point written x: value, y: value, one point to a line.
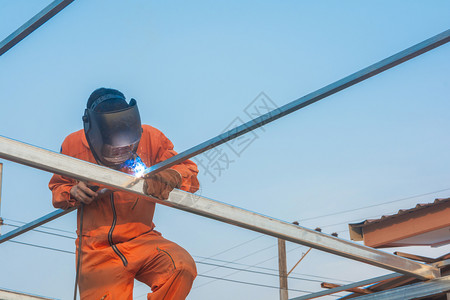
x: 347, y: 286
x: 31, y: 25
x: 412, y: 291
x: 36, y: 223
x: 304, y: 101
x: 82, y: 170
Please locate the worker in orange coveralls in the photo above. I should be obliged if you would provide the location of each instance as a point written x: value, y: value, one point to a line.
x: 119, y: 243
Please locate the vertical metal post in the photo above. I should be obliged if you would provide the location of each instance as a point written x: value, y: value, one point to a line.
x: 282, y: 269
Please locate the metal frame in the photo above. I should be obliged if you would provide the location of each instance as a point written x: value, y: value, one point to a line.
x: 32, y: 24
x: 286, y: 109
x: 57, y: 163
x: 412, y: 291
x: 71, y: 167
x: 347, y: 286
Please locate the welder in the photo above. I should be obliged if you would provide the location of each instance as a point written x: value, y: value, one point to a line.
x: 118, y: 240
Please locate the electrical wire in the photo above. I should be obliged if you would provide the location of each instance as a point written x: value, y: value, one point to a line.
x: 251, y: 283
x: 257, y: 272
x: 39, y: 246
x: 252, y: 265
x: 245, y: 256
x: 374, y: 205
x: 47, y: 227
x: 45, y: 232
x: 275, y: 270
x: 200, y: 275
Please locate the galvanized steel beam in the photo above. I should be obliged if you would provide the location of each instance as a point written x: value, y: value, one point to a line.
x: 412, y: 291
x: 347, y: 286
x: 36, y: 223
x: 32, y: 24
x: 326, y: 91
x: 71, y: 167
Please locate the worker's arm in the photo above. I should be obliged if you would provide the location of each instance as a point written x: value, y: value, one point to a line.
x: 183, y: 175
x: 68, y: 192
x: 187, y: 169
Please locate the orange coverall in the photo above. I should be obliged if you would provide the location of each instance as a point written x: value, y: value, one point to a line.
x: 118, y: 240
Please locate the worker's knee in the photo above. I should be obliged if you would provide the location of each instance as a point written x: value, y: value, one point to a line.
x: 187, y: 268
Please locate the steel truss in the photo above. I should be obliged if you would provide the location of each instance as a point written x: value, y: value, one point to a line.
x: 32, y: 24
x: 71, y: 167
x: 57, y: 163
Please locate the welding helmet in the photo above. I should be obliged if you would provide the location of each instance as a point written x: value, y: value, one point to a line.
x: 112, y: 127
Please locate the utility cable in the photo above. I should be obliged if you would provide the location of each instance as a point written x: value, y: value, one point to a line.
x: 46, y: 227
x: 39, y: 246
x: 374, y: 205
x: 45, y: 232
x: 275, y: 270
x: 257, y: 272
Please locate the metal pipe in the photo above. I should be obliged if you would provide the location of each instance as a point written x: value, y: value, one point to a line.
x: 32, y: 24
x: 36, y: 223
x: 412, y: 291
x: 71, y: 167
x: 326, y: 91
x: 347, y: 286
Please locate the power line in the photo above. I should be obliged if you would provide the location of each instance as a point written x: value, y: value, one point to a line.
x: 47, y: 227
x: 45, y: 232
x: 269, y: 269
x: 251, y: 283
x: 199, y: 262
x: 249, y: 267
x: 43, y: 247
x: 199, y: 275
x: 374, y: 205
x: 245, y: 256
x: 247, y: 283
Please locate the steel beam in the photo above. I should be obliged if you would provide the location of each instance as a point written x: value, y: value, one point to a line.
x: 36, y: 223
x: 347, y: 286
x: 71, y: 167
x: 32, y: 24
x: 326, y: 91
x: 412, y: 291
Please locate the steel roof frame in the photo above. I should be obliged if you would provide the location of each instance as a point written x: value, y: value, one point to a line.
x: 32, y: 24
x: 71, y: 167
x: 61, y: 164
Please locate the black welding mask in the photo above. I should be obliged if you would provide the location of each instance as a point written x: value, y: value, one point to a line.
x: 113, y: 136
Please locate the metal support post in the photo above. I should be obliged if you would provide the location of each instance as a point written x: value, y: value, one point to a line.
x: 71, y: 167
x: 282, y: 269
x: 303, y: 256
x: 32, y: 24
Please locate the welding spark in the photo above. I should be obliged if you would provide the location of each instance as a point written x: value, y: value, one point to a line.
x: 134, y: 166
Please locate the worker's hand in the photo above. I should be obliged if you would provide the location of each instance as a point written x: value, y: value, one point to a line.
x: 83, y: 193
x: 162, y: 183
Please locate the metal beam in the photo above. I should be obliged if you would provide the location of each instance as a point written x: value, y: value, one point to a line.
x: 412, y: 291
x: 347, y: 286
x: 32, y: 24
x: 71, y: 167
x: 326, y: 91
x: 36, y: 223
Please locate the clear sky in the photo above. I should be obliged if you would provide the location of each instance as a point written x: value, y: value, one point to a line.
x: 194, y: 67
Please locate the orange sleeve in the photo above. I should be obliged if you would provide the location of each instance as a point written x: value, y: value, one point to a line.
x: 61, y: 186
x: 188, y: 169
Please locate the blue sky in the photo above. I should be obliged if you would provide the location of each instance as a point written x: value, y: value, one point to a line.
x: 193, y: 68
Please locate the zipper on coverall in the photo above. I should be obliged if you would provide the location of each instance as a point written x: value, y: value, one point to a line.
x: 110, y: 240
